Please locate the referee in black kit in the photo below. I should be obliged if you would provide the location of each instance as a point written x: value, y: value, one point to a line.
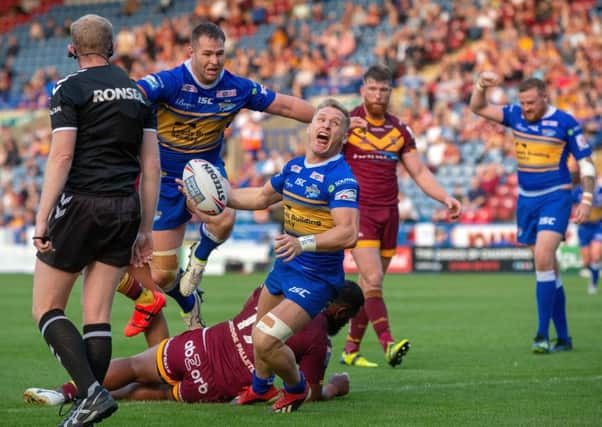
x: 91, y: 219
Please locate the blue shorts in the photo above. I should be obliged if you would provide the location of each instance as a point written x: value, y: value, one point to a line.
x: 548, y: 212
x: 310, y: 292
x: 589, y: 232
x: 171, y: 208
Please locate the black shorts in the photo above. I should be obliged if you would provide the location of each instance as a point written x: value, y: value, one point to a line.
x: 84, y: 229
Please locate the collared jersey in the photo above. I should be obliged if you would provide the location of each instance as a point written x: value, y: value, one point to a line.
x: 542, y: 148
x: 309, y: 192
x: 192, y: 117
x: 110, y: 115
x: 373, y: 155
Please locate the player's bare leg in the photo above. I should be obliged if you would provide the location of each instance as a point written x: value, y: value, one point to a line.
x: 211, y: 235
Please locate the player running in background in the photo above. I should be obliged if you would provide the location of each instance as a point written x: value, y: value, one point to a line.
x: 214, y: 364
x: 590, y: 236
x: 195, y: 103
x: 543, y: 136
x: 377, y: 142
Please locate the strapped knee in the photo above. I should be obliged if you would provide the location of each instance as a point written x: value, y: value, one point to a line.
x: 273, y: 326
x: 165, y: 267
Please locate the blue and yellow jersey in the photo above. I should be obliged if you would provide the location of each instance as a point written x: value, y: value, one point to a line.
x: 542, y: 148
x: 309, y: 192
x: 192, y: 117
x: 596, y: 215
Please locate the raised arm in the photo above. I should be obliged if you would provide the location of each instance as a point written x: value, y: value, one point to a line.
x: 478, y: 99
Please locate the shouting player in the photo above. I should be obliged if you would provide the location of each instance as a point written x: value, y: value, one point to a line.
x: 377, y: 142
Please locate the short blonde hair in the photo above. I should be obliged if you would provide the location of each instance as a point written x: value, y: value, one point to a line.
x: 330, y: 102
x: 92, y: 34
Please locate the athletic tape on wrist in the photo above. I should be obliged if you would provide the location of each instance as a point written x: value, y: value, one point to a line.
x: 308, y: 243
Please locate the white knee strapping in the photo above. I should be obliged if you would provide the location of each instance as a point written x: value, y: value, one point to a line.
x: 278, y: 330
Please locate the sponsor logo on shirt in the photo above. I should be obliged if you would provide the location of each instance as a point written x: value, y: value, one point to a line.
x: 227, y: 93
x: 108, y: 95
x: 189, y: 88
x: 581, y: 142
x: 182, y: 103
x: 548, y: 132
x: 226, y: 106
x: 312, y: 191
x: 296, y: 168
x: 547, y: 220
x: 551, y: 123
x: 345, y: 181
x: 347, y: 194
x: 205, y: 100
x: 317, y: 176
x: 55, y: 110
x: 300, y: 182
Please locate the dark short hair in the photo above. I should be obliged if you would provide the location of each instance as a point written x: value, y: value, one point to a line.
x: 350, y: 294
x: 532, y: 83
x: 379, y: 73
x: 208, y: 29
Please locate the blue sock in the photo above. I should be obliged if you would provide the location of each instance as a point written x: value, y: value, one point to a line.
x: 559, y: 314
x: 262, y: 385
x: 207, y: 243
x: 185, y: 303
x: 594, y: 269
x: 545, y: 290
x: 297, y: 388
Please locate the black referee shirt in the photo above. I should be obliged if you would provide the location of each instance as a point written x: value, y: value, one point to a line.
x: 110, y: 114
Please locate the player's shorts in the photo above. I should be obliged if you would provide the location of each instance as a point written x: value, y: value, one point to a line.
x: 84, y: 229
x: 378, y: 229
x: 311, y: 291
x: 547, y: 212
x: 589, y: 232
x: 183, y: 363
x: 171, y: 208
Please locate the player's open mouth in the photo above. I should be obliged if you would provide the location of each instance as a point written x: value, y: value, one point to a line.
x: 323, y: 137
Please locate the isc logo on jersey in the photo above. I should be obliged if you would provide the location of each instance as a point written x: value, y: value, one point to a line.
x: 104, y: 95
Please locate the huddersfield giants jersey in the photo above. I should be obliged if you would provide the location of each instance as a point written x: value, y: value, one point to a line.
x: 109, y: 114
x: 215, y: 363
x: 373, y: 155
x: 542, y: 148
x: 192, y: 116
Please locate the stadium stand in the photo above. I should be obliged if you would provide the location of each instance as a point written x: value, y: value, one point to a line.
x: 314, y: 49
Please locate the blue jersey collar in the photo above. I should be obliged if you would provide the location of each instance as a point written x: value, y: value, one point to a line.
x: 188, y: 66
x: 315, y: 165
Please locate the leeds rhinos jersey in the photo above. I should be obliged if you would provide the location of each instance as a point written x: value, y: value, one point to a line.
x: 542, y: 148
x: 192, y: 117
x: 309, y: 192
x: 373, y: 155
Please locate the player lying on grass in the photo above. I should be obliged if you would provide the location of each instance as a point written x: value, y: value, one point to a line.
x: 214, y: 364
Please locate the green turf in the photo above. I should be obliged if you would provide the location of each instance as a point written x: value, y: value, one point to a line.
x: 470, y: 362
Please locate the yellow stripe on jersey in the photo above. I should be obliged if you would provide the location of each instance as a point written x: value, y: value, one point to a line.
x: 596, y: 214
x: 300, y: 219
x: 317, y: 203
x: 391, y: 141
x: 536, y: 153
x: 189, y: 134
x: 160, y: 367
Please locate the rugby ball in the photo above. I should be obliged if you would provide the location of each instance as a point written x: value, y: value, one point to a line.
x: 205, y: 185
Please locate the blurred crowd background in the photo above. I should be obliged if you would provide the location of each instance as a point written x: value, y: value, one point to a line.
x: 315, y: 49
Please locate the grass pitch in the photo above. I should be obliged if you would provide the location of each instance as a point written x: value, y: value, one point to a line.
x: 470, y: 362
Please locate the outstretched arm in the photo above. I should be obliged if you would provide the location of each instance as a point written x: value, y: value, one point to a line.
x: 291, y: 107
x: 338, y: 385
x: 478, y: 99
x: 427, y: 183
